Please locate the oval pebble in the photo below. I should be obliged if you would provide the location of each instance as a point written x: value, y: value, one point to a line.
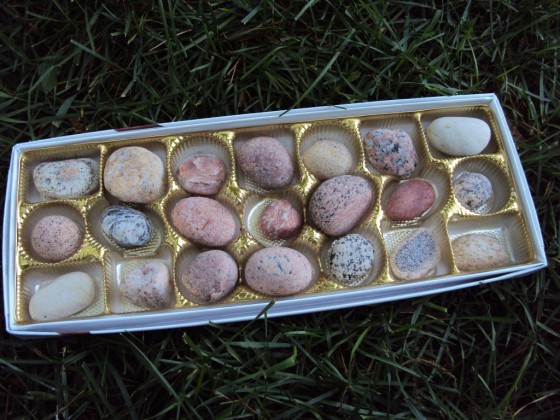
x: 148, y: 285
x: 350, y: 259
x: 67, y: 179
x: 210, y: 277
x: 134, y: 174
x: 459, y: 136
x: 416, y: 256
x: 278, y: 271
x: 472, y: 190
x: 55, y: 238
x: 391, y: 152
x: 204, y: 221
x: 326, y: 159
x: 65, y: 296
x: 202, y: 174
x: 410, y: 199
x: 126, y: 226
x: 339, y: 204
x: 478, y: 251
x: 266, y: 162
x: 279, y: 220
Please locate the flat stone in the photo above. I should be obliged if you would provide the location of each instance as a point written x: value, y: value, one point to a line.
x: 327, y: 158
x: 126, y: 226
x: 391, y: 152
x: 479, y: 251
x: 67, y: 179
x: 410, y: 199
x: 459, y: 136
x: 350, y: 259
x: 149, y: 285
x: 416, y: 256
x: 202, y: 174
x: 55, y: 238
x: 279, y: 220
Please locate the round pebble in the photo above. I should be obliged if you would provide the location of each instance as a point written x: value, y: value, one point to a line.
x: 266, y: 162
x: 278, y: 271
x: 410, y: 199
x: 67, y: 179
x: 66, y: 295
x: 472, y: 190
x: 279, y: 220
x: 478, y: 251
x: 459, y: 136
x: 326, y: 159
x: 55, y: 238
x: 416, y: 256
x: 210, y: 277
x: 350, y: 259
x: 339, y: 204
x: 202, y: 174
x: 391, y: 152
x: 126, y: 226
x: 134, y: 174
x: 148, y: 286
x: 204, y: 221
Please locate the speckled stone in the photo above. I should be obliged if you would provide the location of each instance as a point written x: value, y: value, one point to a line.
x: 327, y: 158
x: 279, y: 220
x: 410, y: 199
x: 266, y: 162
x: 66, y: 295
x: 126, y: 226
x: 479, y: 251
x: 134, y: 174
x: 340, y: 203
x: 416, y: 256
x: 55, y: 238
x: 391, y: 152
x: 67, y: 179
x: 350, y: 259
x: 148, y: 286
x: 202, y: 174
x: 210, y: 277
x: 204, y: 221
x: 472, y: 190
x: 278, y: 271
x: 459, y: 136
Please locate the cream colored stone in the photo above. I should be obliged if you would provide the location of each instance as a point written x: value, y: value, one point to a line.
x: 459, y: 136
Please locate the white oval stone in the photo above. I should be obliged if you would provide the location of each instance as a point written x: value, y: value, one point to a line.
x: 459, y: 136
x: 65, y: 296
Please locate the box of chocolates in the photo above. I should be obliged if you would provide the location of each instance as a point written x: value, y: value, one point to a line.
x: 289, y: 212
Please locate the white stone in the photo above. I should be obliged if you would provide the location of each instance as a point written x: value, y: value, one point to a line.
x: 65, y: 296
x: 459, y: 136
x: 66, y: 179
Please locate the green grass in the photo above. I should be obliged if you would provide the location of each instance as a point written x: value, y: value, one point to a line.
x: 486, y: 352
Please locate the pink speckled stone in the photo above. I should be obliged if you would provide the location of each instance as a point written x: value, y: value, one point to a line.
x: 340, y: 203
x: 278, y: 271
x: 148, y: 285
x: 210, y: 277
x: 472, y: 190
x: 202, y: 174
x: 410, y: 199
x: 55, y: 238
x: 134, y: 174
x: 204, y: 221
x: 391, y: 152
x: 279, y: 220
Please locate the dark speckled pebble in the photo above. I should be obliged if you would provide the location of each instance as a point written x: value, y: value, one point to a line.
x: 472, y: 190
x: 350, y: 259
x: 416, y: 256
x: 126, y: 226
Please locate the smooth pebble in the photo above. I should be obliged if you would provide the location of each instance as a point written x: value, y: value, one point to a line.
x: 126, y: 226
x: 279, y: 220
x: 410, y: 199
x: 391, y: 152
x: 67, y: 179
x: 459, y: 136
x: 350, y: 259
x: 148, y: 285
x: 202, y: 174
x: 327, y: 158
x: 479, y: 251
x: 55, y: 238
x: 472, y: 190
x: 416, y: 256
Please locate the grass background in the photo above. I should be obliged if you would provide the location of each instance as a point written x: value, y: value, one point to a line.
x: 487, y: 352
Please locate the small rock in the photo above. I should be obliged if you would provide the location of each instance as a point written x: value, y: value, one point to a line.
x: 202, y: 174
x: 472, y: 190
x: 459, y: 136
x: 67, y: 179
x: 65, y: 296
x: 410, y: 199
x: 55, y: 238
x: 391, y: 152
x: 135, y: 175
x: 326, y: 159
x: 210, y: 277
x: 266, y: 162
x: 350, y: 259
x: 278, y: 271
x: 340, y: 203
x: 279, y: 220
x: 478, y: 251
x: 204, y: 221
x: 126, y: 226
x: 148, y: 286
x: 416, y: 256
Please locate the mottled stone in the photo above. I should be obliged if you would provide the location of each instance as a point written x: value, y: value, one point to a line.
x: 55, y: 238
x: 459, y: 136
x: 479, y: 251
x: 279, y: 220
x: 472, y: 190
x: 416, y: 256
x: 126, y: 226
x: 350, y: 259
x: 67, y: 179
x: 391, y: 152
x: 327, y: 158
x: 410, y: 199
x: 148, y: 285
x: 202, y: 174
